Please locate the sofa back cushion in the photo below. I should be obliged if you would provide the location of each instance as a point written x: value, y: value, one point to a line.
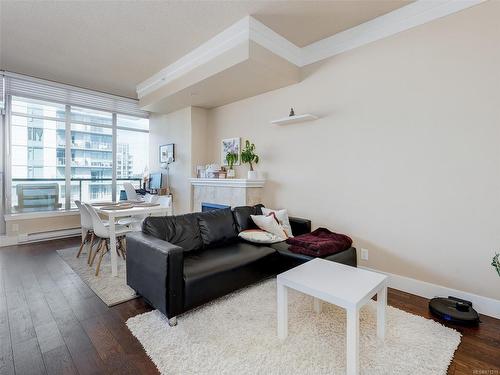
x: 242, y: 216
x: 181, y: 230
x: 217, y: 227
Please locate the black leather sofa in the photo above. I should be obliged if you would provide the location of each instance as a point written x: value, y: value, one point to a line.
x: 180, y: 262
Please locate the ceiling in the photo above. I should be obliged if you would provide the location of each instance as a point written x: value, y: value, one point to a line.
x: 111, y: 46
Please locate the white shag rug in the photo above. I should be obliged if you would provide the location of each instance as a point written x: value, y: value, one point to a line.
x: 112, y: 290
x: 236, y: 334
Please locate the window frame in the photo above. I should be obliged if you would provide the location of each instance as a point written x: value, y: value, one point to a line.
x: 67, y: 120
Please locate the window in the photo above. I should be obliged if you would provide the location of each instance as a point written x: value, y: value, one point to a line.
x: 131, y: 156
x: 39, y: 149
x: 91, y: 154
x: 34, y: 170
x: 35, y: 134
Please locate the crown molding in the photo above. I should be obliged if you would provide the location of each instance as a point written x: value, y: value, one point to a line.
x: 216, y: 46
x: 404, y: 18
x: 249, y: 29
x: 274, y: 42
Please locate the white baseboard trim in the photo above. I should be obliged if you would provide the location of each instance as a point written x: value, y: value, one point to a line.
x: 7, y: 240
x: 483, y: 305
x: 38, y: 237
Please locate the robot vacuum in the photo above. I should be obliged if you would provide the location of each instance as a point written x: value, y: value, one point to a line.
x: 454, y: 310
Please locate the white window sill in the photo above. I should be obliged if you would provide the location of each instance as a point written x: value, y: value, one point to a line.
x: 40, y: 214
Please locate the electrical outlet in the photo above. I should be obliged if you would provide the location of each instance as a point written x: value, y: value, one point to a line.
x: 364, y: 254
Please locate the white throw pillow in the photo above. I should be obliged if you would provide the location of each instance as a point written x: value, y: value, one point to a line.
x: 259, y: 236
x: 282, y: 216
x: 269, y: 224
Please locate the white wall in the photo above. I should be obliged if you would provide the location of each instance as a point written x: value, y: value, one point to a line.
x: 405, y: 157
x: 2, y: 175
x: 185, y: 128
x: 199, y: 138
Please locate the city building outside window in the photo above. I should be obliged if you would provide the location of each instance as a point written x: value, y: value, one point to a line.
x: 39, y: 148
x: 36, y: 184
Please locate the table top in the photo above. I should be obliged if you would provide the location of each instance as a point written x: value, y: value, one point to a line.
x: 333, y: 282
x: 138, y: 210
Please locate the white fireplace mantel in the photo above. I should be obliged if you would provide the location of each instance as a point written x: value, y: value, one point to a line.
x: 232, y: 192
x: 228, y: 182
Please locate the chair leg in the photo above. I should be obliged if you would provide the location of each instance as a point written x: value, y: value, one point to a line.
x: 84, y: 240
x: 100, y: 259
x: 124, y: 247
x: 90, y: 247
x: 118, y: 247
x: 99, y: 247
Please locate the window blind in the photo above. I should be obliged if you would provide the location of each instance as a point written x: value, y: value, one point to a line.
x: 2, y: 93
x: 34, y: 88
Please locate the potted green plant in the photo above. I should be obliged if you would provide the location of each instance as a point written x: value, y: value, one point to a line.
x: 249, y: 157
x: 231, y: 158
x: 496, y: 263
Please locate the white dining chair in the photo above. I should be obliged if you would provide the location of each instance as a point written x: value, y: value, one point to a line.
x: 102, y: 231
x: 132, y: 222
x: 87, y: 230
x: 130, y: 191
x: 164, y: 201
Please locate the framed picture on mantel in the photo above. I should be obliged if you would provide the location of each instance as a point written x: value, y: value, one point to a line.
x: 229, y: 145
x: 167, y: 152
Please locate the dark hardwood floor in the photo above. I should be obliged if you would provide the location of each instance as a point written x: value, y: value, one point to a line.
x: 51, y: 322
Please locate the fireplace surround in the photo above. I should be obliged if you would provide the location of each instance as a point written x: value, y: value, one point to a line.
x: 226, y: 192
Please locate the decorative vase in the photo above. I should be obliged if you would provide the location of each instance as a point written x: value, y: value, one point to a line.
x: 231, y: 173
x: 252, y: 175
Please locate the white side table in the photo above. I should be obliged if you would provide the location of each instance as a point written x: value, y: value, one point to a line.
x: 342, y: 285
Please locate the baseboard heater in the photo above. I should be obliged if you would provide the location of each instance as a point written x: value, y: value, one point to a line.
x: 50, y: 235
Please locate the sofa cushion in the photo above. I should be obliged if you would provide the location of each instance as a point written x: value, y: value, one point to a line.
x: 181, y: 230
x: 217, y: 227
x: 282, y: 218
x: 347, y: 256
x: 282, y: 249
x: 242, y: 216
x: 270, y: 224
x: 211, y: 273
x: 259, y: 236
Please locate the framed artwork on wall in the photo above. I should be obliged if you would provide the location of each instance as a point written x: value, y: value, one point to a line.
x: 229, y: 145
x: 167, y: 153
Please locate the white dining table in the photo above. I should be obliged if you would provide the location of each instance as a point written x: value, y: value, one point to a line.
x: 113, y: 215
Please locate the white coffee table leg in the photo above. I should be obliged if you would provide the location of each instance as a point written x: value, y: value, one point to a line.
x: 381, y: 307
x: 317, y: 305
x: 282, y: 311
x: 352, y: 341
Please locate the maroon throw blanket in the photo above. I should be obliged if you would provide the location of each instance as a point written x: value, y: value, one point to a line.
x: 319, y: 243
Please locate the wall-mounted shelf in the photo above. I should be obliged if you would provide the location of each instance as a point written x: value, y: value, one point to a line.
x: 292, y: 119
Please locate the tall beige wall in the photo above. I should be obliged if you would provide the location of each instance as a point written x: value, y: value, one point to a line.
x: 406, y: 155
x: 2, y: 176
x: 199, y: 134
x: 186, y: 128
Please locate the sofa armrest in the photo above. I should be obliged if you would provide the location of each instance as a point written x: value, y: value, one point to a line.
x: 300, y: 226
x: 155, y: 271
